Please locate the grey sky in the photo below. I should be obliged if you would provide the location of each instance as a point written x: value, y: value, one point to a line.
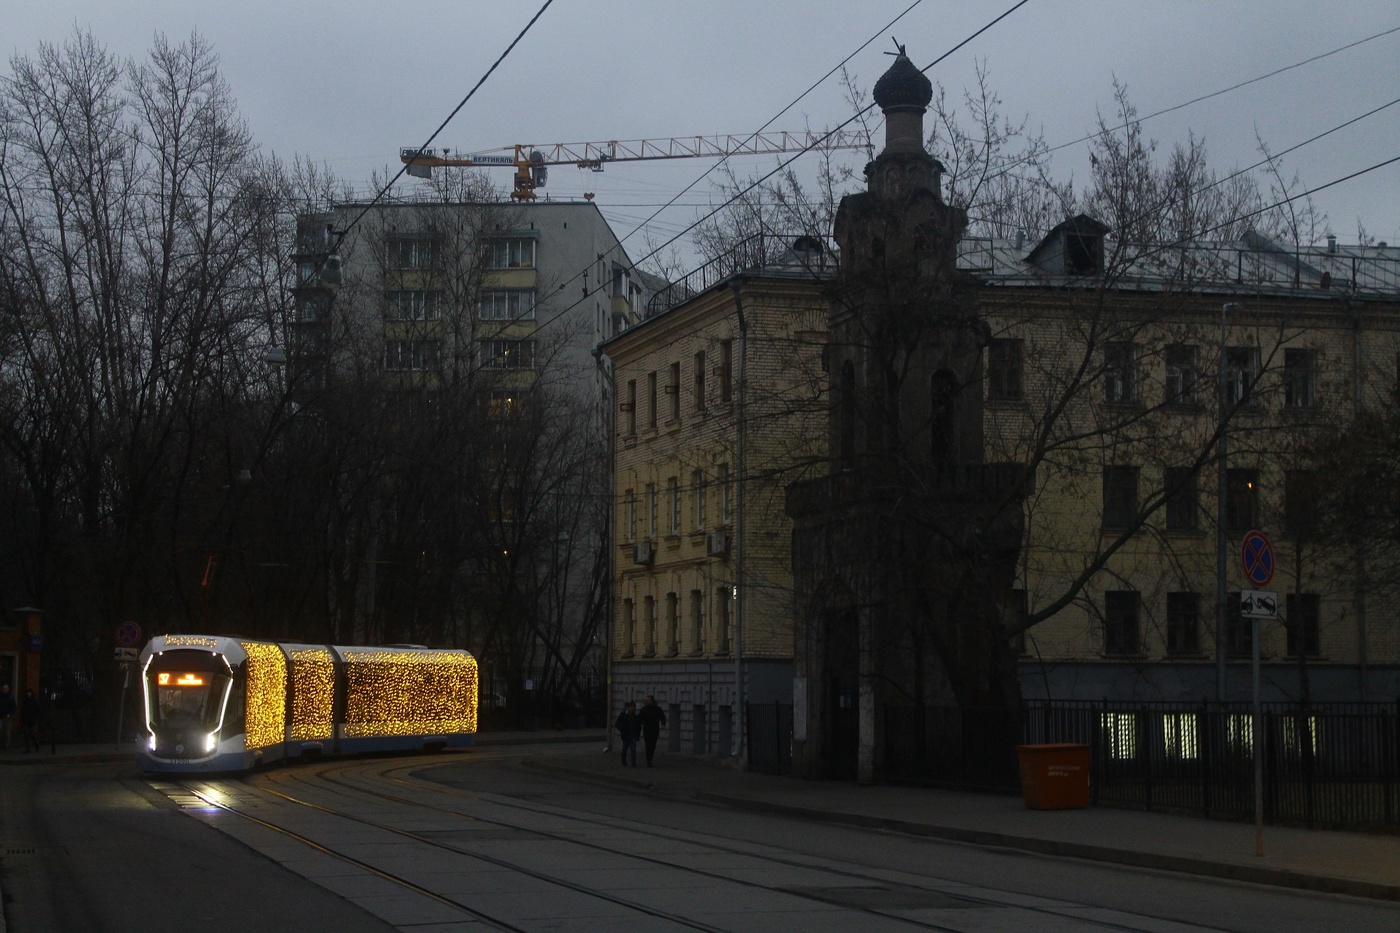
x: 351, y: 82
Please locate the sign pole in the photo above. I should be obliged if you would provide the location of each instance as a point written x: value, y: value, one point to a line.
x: 1257, y: 558
x: 1258, y: 745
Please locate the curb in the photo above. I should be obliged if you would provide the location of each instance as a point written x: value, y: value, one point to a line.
x: 1274, y: 877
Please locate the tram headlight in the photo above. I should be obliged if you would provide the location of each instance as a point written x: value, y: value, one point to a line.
x: 151, y: 741
x: 211, y: 742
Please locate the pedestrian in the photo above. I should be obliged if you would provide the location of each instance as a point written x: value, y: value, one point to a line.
x: 7, y: 712
x: 653, y: 718
x: 629, y: 724
x: 29, y: 720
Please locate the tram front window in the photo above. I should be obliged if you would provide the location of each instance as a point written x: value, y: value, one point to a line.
x: 187, y: 698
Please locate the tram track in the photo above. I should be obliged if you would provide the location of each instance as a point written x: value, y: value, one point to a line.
x: 361, y: 783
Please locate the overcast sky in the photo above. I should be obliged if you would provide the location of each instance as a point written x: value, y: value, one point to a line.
x: 350, y: 83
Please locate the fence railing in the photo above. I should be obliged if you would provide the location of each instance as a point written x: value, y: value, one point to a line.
x: 1332, y: 765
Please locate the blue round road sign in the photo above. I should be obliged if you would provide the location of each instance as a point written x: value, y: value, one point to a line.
x: 1257, y: 557
x: 128, y: 634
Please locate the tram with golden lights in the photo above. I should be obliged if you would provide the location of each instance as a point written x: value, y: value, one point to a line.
x: 217, y: 703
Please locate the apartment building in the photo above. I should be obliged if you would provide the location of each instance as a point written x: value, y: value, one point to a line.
x: 719, y: 404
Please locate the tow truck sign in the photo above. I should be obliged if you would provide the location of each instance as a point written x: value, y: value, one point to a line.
x: 1258, y: 604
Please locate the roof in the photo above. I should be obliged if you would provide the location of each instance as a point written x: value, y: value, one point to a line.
x: 1252, y: 264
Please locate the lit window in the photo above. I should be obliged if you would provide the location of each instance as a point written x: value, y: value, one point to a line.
x: 508, y: 354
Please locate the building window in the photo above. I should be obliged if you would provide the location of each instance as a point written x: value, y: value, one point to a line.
x: 673, y: 392
x: 847, y: 402
x: 1300, y: 495
x: 412, y: 253
x: 1004, y: 370
x: 1120, y: 622
x: 724, y: 498
x: 412, y: 355
x: 1182, y: 505
x: 726, y: 370
x: 508, y: 354
x: 651, y: 400
x: 651, y: 510
x: 673, y: 625
x: 631, y: 520
x: 1241, y: 372
x: 1239, y: 631
x: 1241, y: 500
x: 629, y: 405
x: 650, y: 603
x: 507, y: 304
x: 697, y: 479
x: 1181, y: 374
x: 1300, y: 378
x: 411, y: 304
x: 1120, y: 373
x: 673, y: 486
x: 506, y: 403
x: 629, y: 631
x: 1304, y: 610
x: 697, y: 622
x: 1120, y: 497
x: 1183, y: 623
x: 943, y: 417
x: 510, y: 253
x: 699, y: 387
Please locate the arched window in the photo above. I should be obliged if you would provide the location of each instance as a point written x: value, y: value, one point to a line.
x: 847, y: 412
x: 943, y: 417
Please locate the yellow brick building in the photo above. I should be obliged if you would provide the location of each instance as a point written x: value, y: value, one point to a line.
x: 719, y: 405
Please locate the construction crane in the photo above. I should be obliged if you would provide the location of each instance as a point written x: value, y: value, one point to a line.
x: 531, y: 162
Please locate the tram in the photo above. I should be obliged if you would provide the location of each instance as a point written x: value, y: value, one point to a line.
x: 218, y: 703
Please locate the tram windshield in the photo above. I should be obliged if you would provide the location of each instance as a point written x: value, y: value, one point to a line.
x: 186, y: 691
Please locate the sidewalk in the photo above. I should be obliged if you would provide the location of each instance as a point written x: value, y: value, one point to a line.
x: 1356, y: 864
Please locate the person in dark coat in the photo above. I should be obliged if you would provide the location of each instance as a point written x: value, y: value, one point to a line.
x: 29, y: 720
x: 653, y: 718
x: 629, y: 724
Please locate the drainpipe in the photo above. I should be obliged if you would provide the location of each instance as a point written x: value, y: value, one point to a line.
x: 1362, y: 659
x: 1221, y: 453
x: 609, y: 433
x: 741, y: 589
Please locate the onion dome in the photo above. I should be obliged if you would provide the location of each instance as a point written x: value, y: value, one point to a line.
x: 903, y: 87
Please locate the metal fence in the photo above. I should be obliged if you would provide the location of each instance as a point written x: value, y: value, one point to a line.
x: 1333, y: 765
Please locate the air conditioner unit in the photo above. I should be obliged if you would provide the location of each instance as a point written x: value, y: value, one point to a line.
x: 642, y: 552
x: 717, y: 544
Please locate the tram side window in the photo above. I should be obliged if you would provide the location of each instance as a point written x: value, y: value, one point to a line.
x: 234, y: 712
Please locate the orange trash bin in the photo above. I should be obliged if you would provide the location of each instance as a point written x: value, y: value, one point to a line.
x: 1055, y: 776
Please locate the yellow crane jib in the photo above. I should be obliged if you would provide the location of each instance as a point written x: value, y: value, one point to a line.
x: 531, y: 162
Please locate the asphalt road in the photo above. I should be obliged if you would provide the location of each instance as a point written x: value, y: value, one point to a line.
x: 91, y: 848
x: 475, y: 841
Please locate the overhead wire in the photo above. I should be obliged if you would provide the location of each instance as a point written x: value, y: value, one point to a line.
x: 819, y: 138
x: 341, y: 234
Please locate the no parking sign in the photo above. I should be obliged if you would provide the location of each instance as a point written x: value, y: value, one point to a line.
x: 1257, y: 558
